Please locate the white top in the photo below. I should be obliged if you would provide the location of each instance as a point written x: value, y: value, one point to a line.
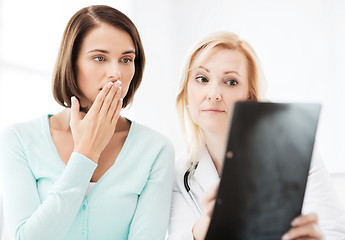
x: 320, y: 197
x: 89, y: 188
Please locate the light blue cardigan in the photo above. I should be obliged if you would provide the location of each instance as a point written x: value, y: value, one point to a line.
x: 45, y: 199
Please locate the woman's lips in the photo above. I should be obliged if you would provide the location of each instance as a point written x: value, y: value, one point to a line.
x: 213, y: 110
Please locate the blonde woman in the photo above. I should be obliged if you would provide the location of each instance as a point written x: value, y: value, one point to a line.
x: 220, y: 70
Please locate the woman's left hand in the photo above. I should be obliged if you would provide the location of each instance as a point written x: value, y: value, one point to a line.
x: 304, y: 227
x: 207, y: 204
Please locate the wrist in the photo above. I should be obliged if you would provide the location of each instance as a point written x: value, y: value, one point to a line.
x: 199, y: 229
x: 193, y: 233
x: 87, y: 153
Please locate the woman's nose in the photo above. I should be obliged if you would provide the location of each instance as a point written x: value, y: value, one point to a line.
x: 214, y: 93
x: 113, y: 72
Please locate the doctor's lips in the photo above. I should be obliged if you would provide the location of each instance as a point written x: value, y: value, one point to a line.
x: 213, y: 110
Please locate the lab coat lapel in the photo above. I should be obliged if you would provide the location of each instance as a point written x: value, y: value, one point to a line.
x: 206, y: 174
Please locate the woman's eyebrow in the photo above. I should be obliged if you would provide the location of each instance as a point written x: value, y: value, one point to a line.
x: 106, y: 51
x: 129, y: 52
x: 227, y: 72
x: 98, y: 50
x: 204, y: 68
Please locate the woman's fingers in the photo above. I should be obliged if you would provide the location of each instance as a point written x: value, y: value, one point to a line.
x: 109, y: 101
x: 113, y: 104
x: 304, y: 219
x: 93, y: 132
x: 208, y: 210
x: 207, y: 203
x: 75, y: 110
x: 199, y: 229
x: 304, y: 227
x: 210, y: 194
x: 209, y: 199
x: 97, y: 105
x: 311, y: 231
x: 116, y: 115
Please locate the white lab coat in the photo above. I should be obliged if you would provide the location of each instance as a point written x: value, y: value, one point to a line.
x: 320, y: 197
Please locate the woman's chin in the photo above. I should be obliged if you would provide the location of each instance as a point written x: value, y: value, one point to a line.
x: 215, y: 128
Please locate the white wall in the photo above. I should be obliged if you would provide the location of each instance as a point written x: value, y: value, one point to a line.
x: 300, y: 44
x: 30, y: 35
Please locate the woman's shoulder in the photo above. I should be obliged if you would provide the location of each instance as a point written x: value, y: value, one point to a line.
x: 148, y: 134
x: 181, y: 161
x: 25, y: 130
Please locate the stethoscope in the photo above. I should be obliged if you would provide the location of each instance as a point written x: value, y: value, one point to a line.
x: 186, y: 185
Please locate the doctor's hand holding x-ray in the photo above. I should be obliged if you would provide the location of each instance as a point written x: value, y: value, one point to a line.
x: 304, y: 225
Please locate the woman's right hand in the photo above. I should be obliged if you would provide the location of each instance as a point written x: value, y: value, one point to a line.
x: 304, y: 227
x: 207, y: 204
x: 92, y: 133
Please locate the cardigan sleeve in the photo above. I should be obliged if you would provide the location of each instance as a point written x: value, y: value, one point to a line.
x: 151, y: 218
x: 26, y: 216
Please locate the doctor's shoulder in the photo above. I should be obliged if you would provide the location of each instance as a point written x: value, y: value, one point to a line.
x: 181, y: 162
x: 180, y: 169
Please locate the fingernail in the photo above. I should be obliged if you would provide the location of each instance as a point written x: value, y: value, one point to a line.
x: 109, y: 84
x: 118, y: 83
x: 295, y: 222
x: 285, y: 237
x: 73, y: 100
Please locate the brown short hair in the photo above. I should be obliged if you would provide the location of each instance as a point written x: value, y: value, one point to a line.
x: 64, y: 77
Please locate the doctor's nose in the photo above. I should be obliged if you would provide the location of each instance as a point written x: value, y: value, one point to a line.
x: 214, y: 93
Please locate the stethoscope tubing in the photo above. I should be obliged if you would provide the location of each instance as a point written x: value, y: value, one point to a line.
x: 189, y: 191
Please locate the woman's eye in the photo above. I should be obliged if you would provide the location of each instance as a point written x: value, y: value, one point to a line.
x: 232, y: 82
x: 201, y: 79
x: 99, y: 59
x: 126, y: 60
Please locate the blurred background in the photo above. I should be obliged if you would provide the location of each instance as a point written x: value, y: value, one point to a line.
x: 300, y: 44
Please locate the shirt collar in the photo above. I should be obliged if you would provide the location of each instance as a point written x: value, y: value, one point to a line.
x: 206, y: 174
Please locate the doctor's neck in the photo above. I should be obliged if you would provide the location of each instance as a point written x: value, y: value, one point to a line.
x: 216, y: 144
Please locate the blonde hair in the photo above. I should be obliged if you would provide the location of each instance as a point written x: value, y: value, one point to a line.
x: 227, y: 40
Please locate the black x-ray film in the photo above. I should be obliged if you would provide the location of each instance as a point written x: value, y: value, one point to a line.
x: 265, y: 170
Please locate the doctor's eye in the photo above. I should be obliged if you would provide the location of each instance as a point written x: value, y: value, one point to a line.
x: 201, y: 79
x: 232, y: 82
x: 99, y: 59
